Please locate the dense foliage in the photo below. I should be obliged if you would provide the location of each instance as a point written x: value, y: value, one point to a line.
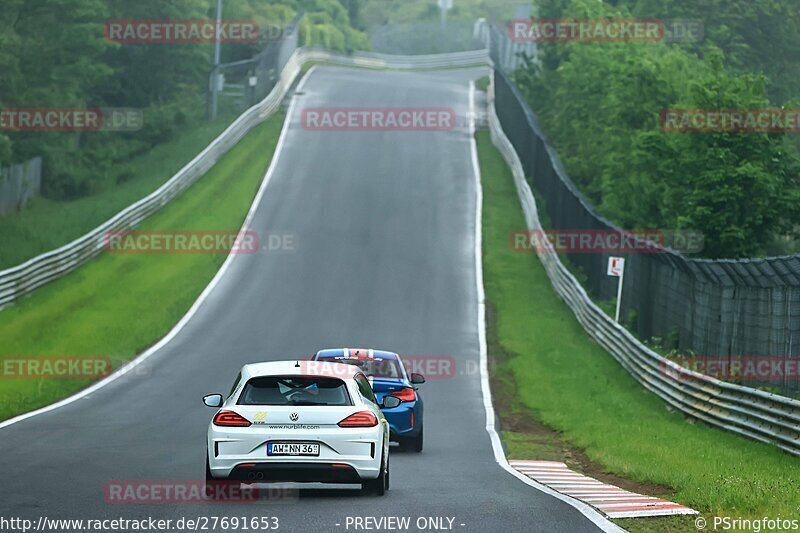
x: 414, y: 27
x: 601, y: 105
x: 761, y: 36
x: 53, y: 53
x: 379, y: 12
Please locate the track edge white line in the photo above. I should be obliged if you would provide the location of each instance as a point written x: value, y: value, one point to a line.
x: 133, y: 363
x: 589, y: 512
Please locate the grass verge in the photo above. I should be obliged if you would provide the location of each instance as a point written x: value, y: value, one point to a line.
x: 47, y: 224
x: 119, y: 304
x: 566, y: 398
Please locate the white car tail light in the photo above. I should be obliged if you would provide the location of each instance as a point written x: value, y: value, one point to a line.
x: 230, y: 419
x: 361, y: 419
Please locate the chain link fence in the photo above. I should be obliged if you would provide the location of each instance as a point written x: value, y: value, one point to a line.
x: 505, y: 53
x: 23, y: 279
x: 251, y: 80
x: 752, y: 413
x: 424, y: 38
x: 720, y: 309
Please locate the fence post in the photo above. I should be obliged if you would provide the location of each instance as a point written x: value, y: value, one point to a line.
x: 18, y: 184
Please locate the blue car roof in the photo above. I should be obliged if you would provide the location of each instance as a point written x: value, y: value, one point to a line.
x: 366, y: 353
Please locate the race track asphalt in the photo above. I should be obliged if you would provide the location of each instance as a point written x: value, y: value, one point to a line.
x: 382, y: 254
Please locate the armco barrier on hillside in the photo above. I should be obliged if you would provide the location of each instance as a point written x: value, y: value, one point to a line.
x: 21, y: 280
x: 756, y: 414
x: 752, y: 413
x: 713, y: 307
x: 726, y: 307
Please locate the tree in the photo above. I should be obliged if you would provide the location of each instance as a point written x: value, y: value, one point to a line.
x: 601, y: 105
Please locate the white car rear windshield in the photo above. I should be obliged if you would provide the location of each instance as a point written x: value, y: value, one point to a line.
x: 295, y: 390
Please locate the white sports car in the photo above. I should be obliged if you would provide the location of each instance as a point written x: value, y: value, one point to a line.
x: 300, y: 421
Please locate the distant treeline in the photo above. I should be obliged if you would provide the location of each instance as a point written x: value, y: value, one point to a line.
x: 601, y: 104
x: 53, y: 54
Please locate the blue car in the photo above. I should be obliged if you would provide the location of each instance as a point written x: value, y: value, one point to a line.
x: 388, y: 376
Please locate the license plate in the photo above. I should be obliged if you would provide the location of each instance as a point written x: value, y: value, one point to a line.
x: 294, y: 448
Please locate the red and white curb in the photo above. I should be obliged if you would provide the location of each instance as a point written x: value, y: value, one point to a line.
x: 612, y: 501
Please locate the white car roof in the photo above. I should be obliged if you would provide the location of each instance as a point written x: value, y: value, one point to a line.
x: 305, y: 368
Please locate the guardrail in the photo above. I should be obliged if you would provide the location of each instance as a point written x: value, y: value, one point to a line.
x: 23, y: 279
x: 716, y: 308
x: 413, y: 62
x: 749, y: 412
x: 756, y: 414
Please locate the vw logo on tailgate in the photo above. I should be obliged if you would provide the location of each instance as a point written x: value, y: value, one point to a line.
x: 293, y: 417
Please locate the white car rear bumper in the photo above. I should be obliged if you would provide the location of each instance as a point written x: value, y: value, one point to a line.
x: 345, y: 455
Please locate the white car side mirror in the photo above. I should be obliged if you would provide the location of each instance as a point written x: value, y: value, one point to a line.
x: 213, y: 400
